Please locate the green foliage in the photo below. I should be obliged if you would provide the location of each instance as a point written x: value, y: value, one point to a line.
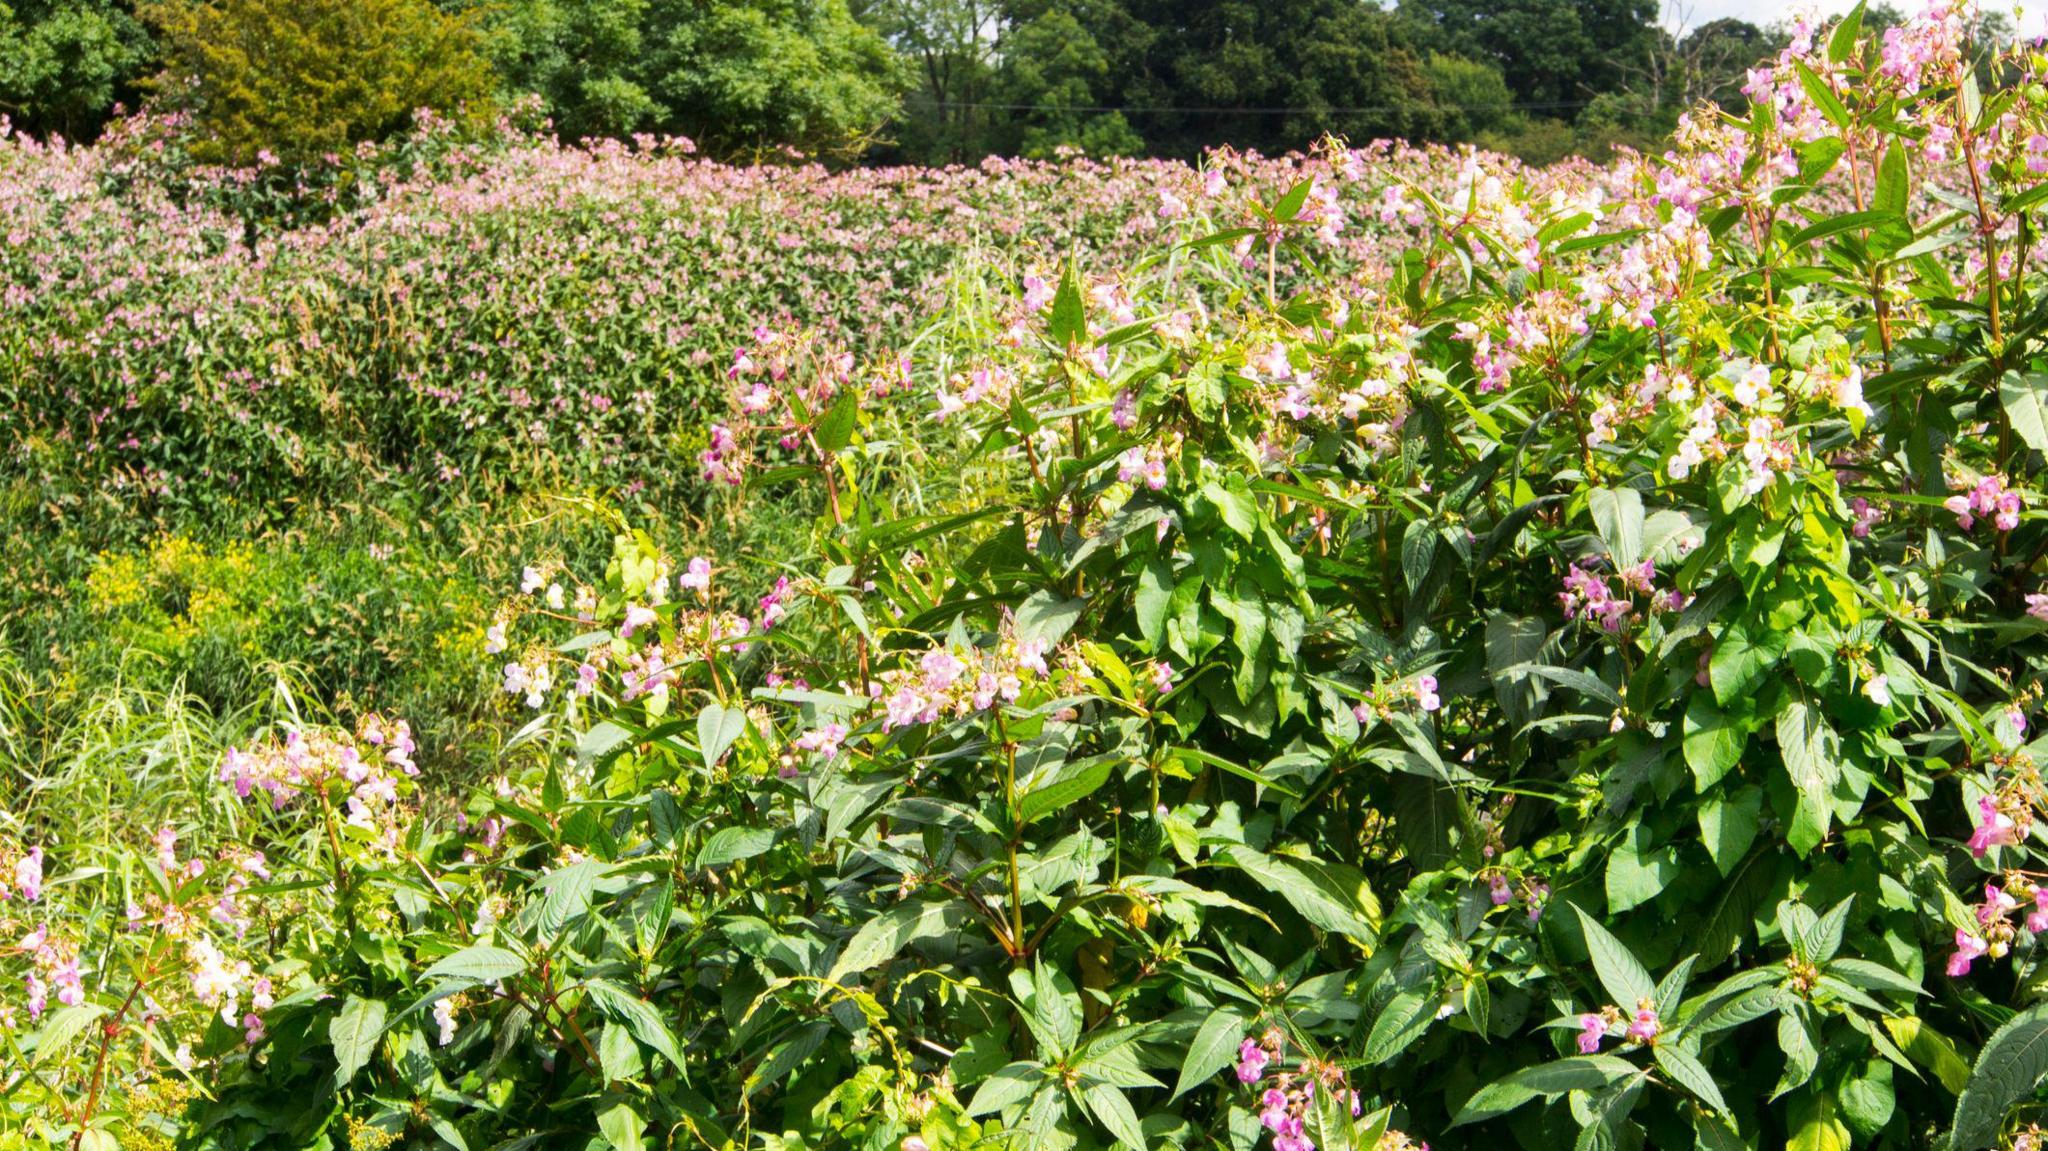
x: 1519, y: 656
x: 301, y: 80
x: 64, y: 63
x: 1474, y: 96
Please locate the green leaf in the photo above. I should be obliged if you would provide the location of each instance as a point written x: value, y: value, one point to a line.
x: 1578, y: 1073
x: 1713, y: 742
x: 732, y: 844
x: 718, y: 727
x: 1069, y: 311
x: 1155, y: 592
x: 354, y: 1032
x: 1048, y: 616
x: 1290, y: 204
x: 1214, y: 1048
x: 621, y: 1127
x: 881, y: 938
x: 1621, y: 974
x: 835, y: 431
x: 1074, y: 782
x: 479, y: 964
x: 1867, y: 1101
x: 1740, y: 662
x: 1894, y: 180
x: 566, y: 893
x: 1728, y: 825
x: 1316, y: 890
x: 1842, y: 42
x: 637, y: 1016
x: 1011, y: 1085
x: 1686, y: 1070
x: 1823, y: 97
x: 2026, y: 406
x: 1808, y: 747
x: 1636, y: 872
x: 1113, y: 1111
x: 2007, y: 1070
x: 1618, y: 516
x: 1816, y: 1125
x: 1401, y: 1022
x: 1418, y: 551
x: 1930, y: 1049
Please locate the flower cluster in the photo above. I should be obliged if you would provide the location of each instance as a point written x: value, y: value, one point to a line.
x: 950, y: 681
x: 1609, y: 1022
x: 1589, y: 598
x: 1988, y: 498
x: 363, y: 773
x: 1287, y: 1099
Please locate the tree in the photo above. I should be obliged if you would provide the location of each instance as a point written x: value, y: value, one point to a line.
x: 744, y: 76
x: 303, y: 79
x: 581, y: 57
x: 951, y: 46
x: 1057, y: 78
x: 1471, y: 97
x: 1272, y: 76
x: 1555, y: 54
x: 65, y: 63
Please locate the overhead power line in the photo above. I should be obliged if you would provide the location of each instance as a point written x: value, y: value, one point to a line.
x: 1553, y: 105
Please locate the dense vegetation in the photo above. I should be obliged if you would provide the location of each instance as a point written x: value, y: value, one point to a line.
x: 926, y: 81
x: 530, y: 645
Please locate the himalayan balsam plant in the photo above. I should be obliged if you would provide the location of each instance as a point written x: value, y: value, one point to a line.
x: 1566, y: 680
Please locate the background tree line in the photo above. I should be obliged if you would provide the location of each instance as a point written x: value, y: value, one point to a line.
x: 924, y: 81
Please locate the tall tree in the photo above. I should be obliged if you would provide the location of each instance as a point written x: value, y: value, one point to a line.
x: 64, y: 64
x: 1264, y: 74
x: 1555, y: 54
x: 951, y: 48
x: 301, y: 79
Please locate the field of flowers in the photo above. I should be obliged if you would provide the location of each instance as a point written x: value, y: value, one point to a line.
x: 1353, y: 651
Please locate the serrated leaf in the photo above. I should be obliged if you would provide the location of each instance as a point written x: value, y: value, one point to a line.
x: 718, y: 727
x: 1073, y: 783
x: 354, y: 1032
x: 637, y: 1016
x: 2025, y: 397
x: 729, y: 845
x: 479, y: 964
x: 835, y: 431
x: 1578, y: 1073
x: 1686, y: 1070
x: 1012, y: 1084
x: 2008, y: 1069
x: 881, y: 938
x: 1621, y: 974
x: 1713, y: 742
x: 1214, y: 1048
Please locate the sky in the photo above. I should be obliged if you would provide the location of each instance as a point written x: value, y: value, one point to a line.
x: 1691, y: 13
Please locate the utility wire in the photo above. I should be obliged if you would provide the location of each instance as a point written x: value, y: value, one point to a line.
x: 1552, y: 105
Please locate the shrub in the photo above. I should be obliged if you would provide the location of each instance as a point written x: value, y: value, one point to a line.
x: 303, y: 80
x: 1568, y: 682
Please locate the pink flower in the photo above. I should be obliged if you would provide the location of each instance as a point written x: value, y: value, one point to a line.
x: 1968, y: 948
x: 637, y: 617
x: 28, y: 874
x: 1425, y: 693
x: 2037, y: 919
x: 1502, y: 893
x: 697, y: 577
x: 1251, y: 1061
x: 1997, y: 903
x: 1592, y: 1029
x: 1162, y: 677
x: 1646, y: 1025
x: 1994, y: 828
